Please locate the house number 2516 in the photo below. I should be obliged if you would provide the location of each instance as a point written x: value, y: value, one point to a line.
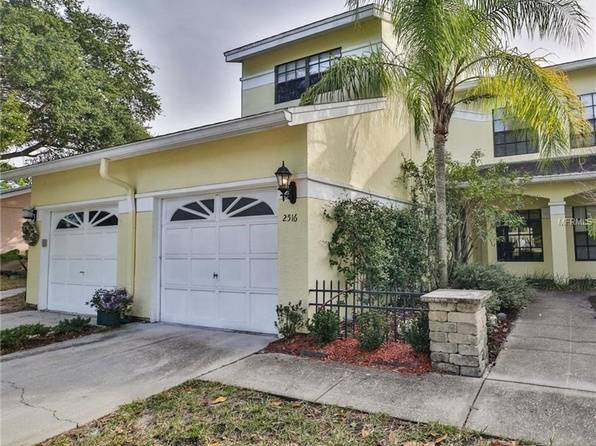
x: 290, y: 218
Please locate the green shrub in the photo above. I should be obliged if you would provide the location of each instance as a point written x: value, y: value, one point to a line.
x: 372, y: 330
x: 510, y: 293
x: 14, y: 338
x: 548, y: 282
x: 416, y: 333
x: 324, y: 326
x: 290, y: 319
x: 75, y: 325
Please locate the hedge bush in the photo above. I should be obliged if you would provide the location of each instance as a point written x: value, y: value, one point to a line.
x: 290, y: 319
x: 324, y: 326
x: 510, y: 293
x: 372, y: 330
x: 416, y: 333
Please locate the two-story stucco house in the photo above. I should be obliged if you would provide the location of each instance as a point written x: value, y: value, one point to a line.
x: 192, y: 223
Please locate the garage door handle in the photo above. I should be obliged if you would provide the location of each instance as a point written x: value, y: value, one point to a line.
x: 215, y: 275
x: 82, y: 272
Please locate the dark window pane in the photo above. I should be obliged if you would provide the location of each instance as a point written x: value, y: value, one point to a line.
x: 226, y: 202
x: 258, y: 209
x: 70, y: 221
x: 584, y: 244
x: 110, y: 221
x: 182, y: 215
x: 196, y: 207
x: 209, y: 204
x: 241, y: 203
x: 293, y: 78
x: 524, y: 243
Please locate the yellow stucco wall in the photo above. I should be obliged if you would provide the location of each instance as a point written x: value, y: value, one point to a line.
x: 261, y: 98
x: 538, y: 197
x: 468, y: 135
x: 364, y: 151
x: 252, y: 156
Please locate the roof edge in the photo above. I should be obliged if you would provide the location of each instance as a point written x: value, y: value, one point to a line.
x: 15, y: 192
x: 291, y: 116
x: 302, y: 32
x: 210, y: 132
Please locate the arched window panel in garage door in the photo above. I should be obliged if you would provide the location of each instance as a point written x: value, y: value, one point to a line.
x: 245, y: 207
x: 194, y: 210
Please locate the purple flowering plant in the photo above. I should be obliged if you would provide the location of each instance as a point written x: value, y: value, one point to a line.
x: 116, y: 300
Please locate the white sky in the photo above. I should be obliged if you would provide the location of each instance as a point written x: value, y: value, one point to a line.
x: 185, y: 41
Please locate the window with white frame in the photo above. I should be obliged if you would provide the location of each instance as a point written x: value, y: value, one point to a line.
x: 585, y: 246
x: 589, y: 105
x: 510, y: 138
x: 293, y: 78
x: 523, y: 244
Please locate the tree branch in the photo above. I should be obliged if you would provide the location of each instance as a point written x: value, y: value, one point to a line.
x: 23, y: 152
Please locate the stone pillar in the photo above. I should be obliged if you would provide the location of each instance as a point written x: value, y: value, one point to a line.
x: 458, y: 336
x: 558, y: 236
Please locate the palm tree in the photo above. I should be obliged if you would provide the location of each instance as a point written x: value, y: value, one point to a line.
x: 452, y: 53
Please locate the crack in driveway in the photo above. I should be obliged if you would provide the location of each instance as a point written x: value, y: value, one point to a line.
x: 22, y: 400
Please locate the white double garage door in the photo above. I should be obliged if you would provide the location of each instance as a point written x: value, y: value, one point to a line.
x: 218, y: 260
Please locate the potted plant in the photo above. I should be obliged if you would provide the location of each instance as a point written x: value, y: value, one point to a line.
x: 111, y: 305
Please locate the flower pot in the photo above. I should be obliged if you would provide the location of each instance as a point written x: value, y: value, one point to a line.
x: 108, y: 318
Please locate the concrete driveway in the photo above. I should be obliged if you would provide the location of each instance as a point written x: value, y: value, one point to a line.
x: 52, y: 389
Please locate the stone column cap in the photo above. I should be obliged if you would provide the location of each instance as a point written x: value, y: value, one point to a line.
x: 478, y: 297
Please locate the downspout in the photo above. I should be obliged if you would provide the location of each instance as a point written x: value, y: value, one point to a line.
x: 130, y: 190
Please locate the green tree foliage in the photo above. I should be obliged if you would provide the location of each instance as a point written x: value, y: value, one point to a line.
x: 377, y: 246
x: 70, y: 81
x: 478, y: 199
x: 444, y: 46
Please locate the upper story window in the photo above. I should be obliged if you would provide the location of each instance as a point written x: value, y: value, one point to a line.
x: 511, y: 139
x: 293, y: 78
x: 523, y: 244
x: 585, y: 246
x: 589, y: 103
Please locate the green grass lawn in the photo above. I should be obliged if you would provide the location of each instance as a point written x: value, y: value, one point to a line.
x: 10, y: 282
x: 202, y: 413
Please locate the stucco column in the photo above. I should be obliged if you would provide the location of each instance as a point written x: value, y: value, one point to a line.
x: 558, y: 233
x: 458, y: 333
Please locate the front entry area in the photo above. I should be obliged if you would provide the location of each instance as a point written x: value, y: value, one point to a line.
x: 83, y: 257
x: 219, y: 261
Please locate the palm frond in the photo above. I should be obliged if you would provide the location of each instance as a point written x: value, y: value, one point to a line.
x: 351, y: 78
x: 565, y: 21
x: 536, y: 97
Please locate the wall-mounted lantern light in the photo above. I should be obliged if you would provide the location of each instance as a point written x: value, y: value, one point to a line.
x: 30, y: 214
x: 285, y: 185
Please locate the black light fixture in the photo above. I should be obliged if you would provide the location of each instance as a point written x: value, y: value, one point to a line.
x: 29, y: 214
x: 285, y: 185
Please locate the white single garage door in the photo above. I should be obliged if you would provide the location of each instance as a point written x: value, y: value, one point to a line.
x: 219, y: 261
x: 83, y: 257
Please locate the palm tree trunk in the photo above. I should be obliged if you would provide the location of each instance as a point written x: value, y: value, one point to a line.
x: 440, y: 137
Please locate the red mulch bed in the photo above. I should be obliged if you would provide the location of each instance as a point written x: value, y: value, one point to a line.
x: 393, y: 355
x: 497, y: 338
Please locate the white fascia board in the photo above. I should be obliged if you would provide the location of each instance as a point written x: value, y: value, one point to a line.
x: 251, y: 124
x: 15, y: 193
x: 303, y: 32
x: 575, y: 64
x: 226, y: 129
x: 572, y: 176
x: 321, y: 112
x: 566, y: 67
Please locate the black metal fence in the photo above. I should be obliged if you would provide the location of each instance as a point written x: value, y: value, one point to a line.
x: 350, y: 301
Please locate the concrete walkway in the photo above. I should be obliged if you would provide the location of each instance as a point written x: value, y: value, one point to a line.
x: 52, y: 389
x: 543, y: 386
x: 541, y: 389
